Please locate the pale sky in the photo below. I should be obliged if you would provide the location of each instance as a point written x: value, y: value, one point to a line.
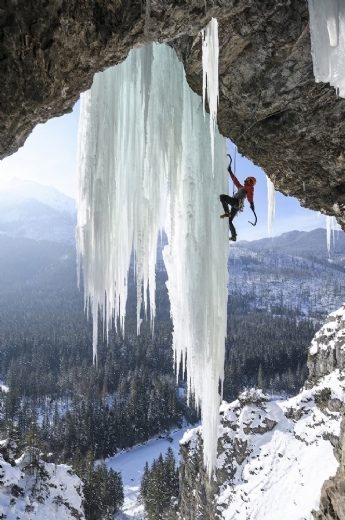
x: 49, y: 157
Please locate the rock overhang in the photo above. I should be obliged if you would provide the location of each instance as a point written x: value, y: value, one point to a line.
x: 270, y: 105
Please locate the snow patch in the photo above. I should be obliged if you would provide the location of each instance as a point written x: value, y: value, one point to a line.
x: 130, y: 463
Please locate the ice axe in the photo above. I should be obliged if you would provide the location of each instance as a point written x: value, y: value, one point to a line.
x: 256, y: 219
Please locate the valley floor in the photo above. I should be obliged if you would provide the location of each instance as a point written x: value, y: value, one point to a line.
x: 131, y: 464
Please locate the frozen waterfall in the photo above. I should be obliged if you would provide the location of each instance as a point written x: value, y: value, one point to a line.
x: 327, y: 31
x: 144, y: 144
x: 210, y: 55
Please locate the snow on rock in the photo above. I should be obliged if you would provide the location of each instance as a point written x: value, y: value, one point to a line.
x: 4, y: 388
x: 52, y: 491
x: 274, y: 456
x: 327, y: 350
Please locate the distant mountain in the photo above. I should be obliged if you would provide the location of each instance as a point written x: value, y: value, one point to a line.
x: 310, y: 244
x: 31, y: 210
x: 19, y: 190
x: 275, y: 280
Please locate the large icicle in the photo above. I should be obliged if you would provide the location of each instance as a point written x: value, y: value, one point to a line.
x: 210, y: 55
x: 271, y: 196
x: 327, y: 31
x: 196, y: 260
x: 331, y: 227
x: 142, y: 128
x: 328, y: 232
x: 119, y: 200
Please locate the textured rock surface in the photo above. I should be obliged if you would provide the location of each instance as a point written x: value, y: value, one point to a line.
x: 50, y: 50
x: 327, y: 353
x: 253, y: 433
x: 269, y: 104
x: 332, y: 501
x: 268, y: 451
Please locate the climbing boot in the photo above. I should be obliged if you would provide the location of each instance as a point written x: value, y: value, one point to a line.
x: 225, y: 215
x: 233, y: 239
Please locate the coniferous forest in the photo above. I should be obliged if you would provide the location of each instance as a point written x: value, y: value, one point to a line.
x: 59, y: 403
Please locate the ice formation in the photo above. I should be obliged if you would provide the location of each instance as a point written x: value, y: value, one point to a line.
x: 210, y: 55
x: 327, y: 31
x: 331, y: 226
x: 142, y: 135
x: 120, y: 195
x: 271, y: 196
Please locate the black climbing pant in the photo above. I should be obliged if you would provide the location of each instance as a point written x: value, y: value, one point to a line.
x: 233, y: 202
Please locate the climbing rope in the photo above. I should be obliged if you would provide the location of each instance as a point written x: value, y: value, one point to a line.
x: 235, y: 156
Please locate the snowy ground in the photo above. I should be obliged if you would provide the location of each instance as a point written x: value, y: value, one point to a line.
x: 131, y: 465
x: 4, y: 388
x: 51, y: 493
x: 287, y: 456
x: 277, y: 279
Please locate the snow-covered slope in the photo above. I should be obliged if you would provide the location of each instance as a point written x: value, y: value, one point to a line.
x: 52, y: 492
x: 17, y: 190
x: 273, y: 456
x: 131, y: 465
x: 31, y: 210
x: 275, y: 280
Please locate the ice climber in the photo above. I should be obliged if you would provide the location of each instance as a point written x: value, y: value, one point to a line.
x: 237, y: 201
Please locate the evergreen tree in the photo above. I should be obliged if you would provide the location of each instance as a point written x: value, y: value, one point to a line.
x: 103, y: 488
x: 159, y: 487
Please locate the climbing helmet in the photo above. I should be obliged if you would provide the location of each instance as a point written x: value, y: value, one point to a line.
x: 252, y: 180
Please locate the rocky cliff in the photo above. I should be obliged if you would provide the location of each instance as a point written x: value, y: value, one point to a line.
x: 31, y: 488
x: 274, y: 456
x: 327, y: 353
x: 270, y: 105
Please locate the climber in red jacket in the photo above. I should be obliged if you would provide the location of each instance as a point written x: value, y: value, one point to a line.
x: 237, y: 201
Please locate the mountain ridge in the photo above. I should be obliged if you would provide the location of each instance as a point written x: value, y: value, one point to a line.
x: 303, y: 243
x: 35, y: 211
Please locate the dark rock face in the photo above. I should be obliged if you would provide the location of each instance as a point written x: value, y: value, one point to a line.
x: 332, y: 500
x: 328, y: 358
x: 323, y: 362
x: 50, y: 51
x: 197, y: 491
x: 269, y: 106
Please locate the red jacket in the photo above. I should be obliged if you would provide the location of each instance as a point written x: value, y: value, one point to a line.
x: 248, y: 187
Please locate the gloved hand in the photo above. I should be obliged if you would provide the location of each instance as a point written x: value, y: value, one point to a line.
x: 252, y: 206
